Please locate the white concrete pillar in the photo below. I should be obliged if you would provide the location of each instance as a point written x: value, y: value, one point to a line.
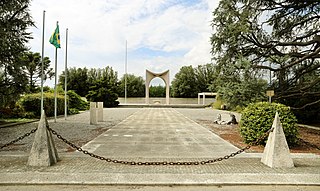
x: 100, y: 111
x: 167, y: 90
x: 204, y: 99
x: 93, y: 113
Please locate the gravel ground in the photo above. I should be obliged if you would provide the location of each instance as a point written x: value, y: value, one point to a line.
x: 207, y: 114
x: 76, y: 129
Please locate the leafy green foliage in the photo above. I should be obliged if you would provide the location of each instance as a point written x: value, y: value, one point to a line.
x: 98, y: 85
x: 32, y: 103
x: 77, y: 80
x: 239, y: 85
x: 76, y: 102
x: 101, y: 94
x: 258, y: 118
x: 72, y: 111
x: 135, y: 86
x: 205, y: 77
x: 280, y: 37
x: 104, y: 88
x: 189, y: 81
x: 15, y: 112
x: 184, y: 84
x: 32, y: 64
x: 14, y: 22
x: 157, y: 91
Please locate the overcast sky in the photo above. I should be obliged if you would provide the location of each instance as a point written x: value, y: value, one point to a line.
x: 161, y: 34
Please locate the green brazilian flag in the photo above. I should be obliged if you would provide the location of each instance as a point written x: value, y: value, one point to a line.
x: 55, y: 38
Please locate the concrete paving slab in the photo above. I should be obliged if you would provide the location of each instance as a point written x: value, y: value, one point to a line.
x: 143, y: 137
x: 159, y: 132
x: 90, y: 171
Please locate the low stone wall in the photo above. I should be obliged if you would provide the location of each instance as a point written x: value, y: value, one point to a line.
x: 162, y: 100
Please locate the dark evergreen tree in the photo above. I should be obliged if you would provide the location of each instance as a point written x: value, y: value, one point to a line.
x: 14, y: 22
x: 32, y: 64
x: 135, y: 86
x: 278, y: 36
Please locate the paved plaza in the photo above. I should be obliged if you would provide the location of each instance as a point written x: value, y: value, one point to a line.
x: 159, y: 133
x: 155, y: 135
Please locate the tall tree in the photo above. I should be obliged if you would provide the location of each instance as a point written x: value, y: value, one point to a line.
x: 14, y: 22
x: 33, y: 69
x: 281, y: 36
x: 104, y: 89
x: 135, y: 86
x: 240, y: 85
x: 77, y: 80
x: 157, y: 91
x: 184, y: 84
x: 205, y: 76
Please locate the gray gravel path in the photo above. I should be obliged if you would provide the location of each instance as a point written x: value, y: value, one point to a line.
x: 76, y: 129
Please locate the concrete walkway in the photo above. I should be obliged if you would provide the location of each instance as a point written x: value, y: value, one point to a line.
x: 158, y: 134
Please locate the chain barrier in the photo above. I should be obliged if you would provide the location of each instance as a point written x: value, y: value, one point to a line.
x: 162, y: 162
x: 19, y: 138
x: 151, y: 163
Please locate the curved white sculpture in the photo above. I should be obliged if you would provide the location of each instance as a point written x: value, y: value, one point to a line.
x: 164, y: 76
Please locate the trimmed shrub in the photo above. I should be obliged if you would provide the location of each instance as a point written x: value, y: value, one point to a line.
x: 257, y: 119
x: 104, y: 95
x: 16, y: 112
x: 76, y: 102
x: 32, y: 103
x: 72, y: 111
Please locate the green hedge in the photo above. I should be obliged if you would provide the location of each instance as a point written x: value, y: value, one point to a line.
x: 76, y: 102
x: 257, y: 119
x: 32, y: 103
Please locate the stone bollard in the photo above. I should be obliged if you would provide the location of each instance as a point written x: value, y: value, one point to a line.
x: 276, y: 153
x: 93, y: 113
x: 100, y: 111
x: 43, y: 151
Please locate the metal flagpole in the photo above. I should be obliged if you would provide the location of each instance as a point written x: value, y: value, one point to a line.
x: 55, y: 85
x: 65, y: 78
x: 125, y: 76
x: 42, y: 55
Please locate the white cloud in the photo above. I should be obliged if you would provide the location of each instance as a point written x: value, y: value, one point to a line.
x: 98, y: 30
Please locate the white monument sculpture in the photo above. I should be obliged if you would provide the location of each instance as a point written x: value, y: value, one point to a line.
x: 164, y: 76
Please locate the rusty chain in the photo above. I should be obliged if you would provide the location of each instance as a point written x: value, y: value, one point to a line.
x: 150, y: 163
x: 19, y: 138
x: 157, y: 163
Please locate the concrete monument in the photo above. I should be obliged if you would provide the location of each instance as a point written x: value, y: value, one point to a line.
x: 43, y: 151
x: 276, y: 152
x: 164, y: 76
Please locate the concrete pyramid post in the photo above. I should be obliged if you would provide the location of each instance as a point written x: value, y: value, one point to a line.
x: 100, y: 111
x: 276, y: 152
x: 43, y: 151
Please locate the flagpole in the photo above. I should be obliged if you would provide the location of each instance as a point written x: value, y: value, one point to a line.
x: 55, y: 85
x: 125, y: 75
x: 42, y: 55
x: 65, y: 78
